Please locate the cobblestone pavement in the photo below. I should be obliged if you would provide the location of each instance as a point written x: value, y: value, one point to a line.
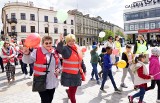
x: 20, y: 91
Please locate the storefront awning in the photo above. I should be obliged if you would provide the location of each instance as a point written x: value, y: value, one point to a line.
x: 149, y: 31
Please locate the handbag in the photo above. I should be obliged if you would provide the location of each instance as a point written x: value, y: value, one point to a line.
x: 39, y: 82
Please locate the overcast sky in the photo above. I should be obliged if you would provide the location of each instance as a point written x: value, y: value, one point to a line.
x: 109, y: 10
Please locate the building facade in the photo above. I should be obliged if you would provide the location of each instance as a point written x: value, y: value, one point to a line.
x: 88, y: 28
x: 143, y: 18
x: 20, y: 19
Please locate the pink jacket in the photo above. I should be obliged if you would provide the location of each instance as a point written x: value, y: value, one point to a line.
x: 154, y: 67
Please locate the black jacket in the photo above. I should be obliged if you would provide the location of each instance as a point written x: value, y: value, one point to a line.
x: 124, y: 57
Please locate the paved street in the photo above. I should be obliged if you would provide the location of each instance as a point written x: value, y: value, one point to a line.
x: 21, y: 92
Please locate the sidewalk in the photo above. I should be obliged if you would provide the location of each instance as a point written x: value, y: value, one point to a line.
x: 21, y: 90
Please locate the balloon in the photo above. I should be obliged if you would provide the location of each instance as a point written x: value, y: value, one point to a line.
x: 62, y: 16
x: 102, y: 34
x: 121, y: 64
x: 32, y: 40
x: 142, y: 48
x: 1, y: 43
x: 84, y: 49
x: 115, y: 51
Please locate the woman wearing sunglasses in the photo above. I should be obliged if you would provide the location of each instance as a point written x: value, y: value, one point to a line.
x: 46, y: 63
x: 8, y: 54
x: 72, y: 65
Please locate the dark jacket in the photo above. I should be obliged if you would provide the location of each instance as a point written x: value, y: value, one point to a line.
x: 135, y: 46
x: 124, y: 57
x: 94, y: 56
x: 66, y: 78
x: 107, y: 62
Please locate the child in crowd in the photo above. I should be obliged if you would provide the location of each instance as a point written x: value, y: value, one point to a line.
x: 128, y: 57
x: 154, y: 69
x: 94, y: 62
x: 101, y: 61
x: 141, y: 77
x: 107, y: 70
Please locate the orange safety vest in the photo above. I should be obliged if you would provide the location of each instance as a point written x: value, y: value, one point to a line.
x: 5, y: 60
x: 40, y: 65
x: 73, y: 64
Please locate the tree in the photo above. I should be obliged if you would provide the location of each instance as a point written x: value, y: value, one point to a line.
x: 119, y: 33
x: 108, y: 33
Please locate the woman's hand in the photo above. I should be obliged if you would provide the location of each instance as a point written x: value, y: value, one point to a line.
x: 57, y: 71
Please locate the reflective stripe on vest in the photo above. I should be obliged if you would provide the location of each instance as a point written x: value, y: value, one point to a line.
x: 39, y: 65
x: 138, y: 46
x: 69, y: 62
x: 39, y: 73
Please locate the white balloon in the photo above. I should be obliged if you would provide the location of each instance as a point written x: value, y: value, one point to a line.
x: 102, y: 34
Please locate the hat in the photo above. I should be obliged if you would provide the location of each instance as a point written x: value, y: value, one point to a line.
x: 103, y: 50
x: 94, y: 46
x: 155, y: 51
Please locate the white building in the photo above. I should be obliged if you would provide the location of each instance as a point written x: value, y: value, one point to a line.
x: 20, y: 19
x: 143, y: 17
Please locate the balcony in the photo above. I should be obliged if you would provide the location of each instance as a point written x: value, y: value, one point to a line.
x: 12, y: 20
x: 12, y: 34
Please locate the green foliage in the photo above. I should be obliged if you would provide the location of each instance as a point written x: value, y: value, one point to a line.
x: 119, y: 33
x: 108, y: 33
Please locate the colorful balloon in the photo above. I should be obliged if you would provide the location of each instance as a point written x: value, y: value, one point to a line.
x: 62, y: 16
x: 84, y: 49
x: 102, y: 34
x: 115, y: 51
x: 33, y: 40
x: 121, y: 64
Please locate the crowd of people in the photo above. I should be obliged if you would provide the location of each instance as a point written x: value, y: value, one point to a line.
x: 47, y: 63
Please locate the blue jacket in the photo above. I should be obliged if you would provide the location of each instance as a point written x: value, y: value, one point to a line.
x: 107, y: 62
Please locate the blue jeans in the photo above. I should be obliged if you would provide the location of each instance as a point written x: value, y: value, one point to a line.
x: 94, y: 71
x: 140, y: 94
x: 107, y: 73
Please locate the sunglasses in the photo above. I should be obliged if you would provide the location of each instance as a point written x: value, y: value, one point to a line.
x: 46, y: 43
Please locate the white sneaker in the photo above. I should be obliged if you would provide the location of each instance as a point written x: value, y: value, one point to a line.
x: 25, y: 76
x: 158, y: 101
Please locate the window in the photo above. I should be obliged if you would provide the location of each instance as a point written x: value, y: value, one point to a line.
x: 157, y: 13
x: 72, y: 31
x: 152, y: 13
x: 23, y: 28
x: 152, y: 25
x: 13, y: 15
x: 46, y: 29
x: 146, y: 14
x: 32, y: 17
x: 131, y: 27
x: 56, y: 30
x: 72, y: 22
x: 23, y: 16
x: 55, y: 20
x: 13, y: 29
x: 141, y: 25
x: 146, y: 25
x: 65, y: 32
x: 46, y: 18
x: 32, y: 29
x: 136, y: 27
x: 158, y: 24
x: 65, y: 22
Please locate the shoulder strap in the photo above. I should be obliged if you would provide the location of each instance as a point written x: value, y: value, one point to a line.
x: 47, y: 66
